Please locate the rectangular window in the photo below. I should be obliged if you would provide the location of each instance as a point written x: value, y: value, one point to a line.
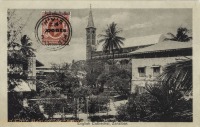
x: 156, y: 71
x: 141, y: 71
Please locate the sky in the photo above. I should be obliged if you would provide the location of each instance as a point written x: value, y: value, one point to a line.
x: 135, y: 23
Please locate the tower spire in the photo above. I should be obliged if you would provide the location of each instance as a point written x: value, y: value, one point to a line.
x: 90, y: 19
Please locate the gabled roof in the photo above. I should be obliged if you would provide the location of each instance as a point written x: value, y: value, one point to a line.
x: 22, y: 87
x: 164, y: 46
x: 39, y: 64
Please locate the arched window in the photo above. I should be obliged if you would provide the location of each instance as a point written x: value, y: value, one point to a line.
x: 93, y: 36
x: 88, y: 36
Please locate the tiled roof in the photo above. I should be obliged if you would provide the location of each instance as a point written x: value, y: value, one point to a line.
x: 164, y: 46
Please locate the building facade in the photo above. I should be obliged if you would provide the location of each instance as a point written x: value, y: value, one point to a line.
x: 148, y: 63
x: 23, y: 69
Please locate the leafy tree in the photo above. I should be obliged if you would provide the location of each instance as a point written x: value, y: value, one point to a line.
x: 50, y: 91
x: 182, y: 35
x: 63, y: 79
x: 82, y: 91
x: 93, y: 69
x: 136, y: 109
x: 122, y: 86
x: 97, y: 103
x: 111, y: 40
x: 78, y: 66
x: 64, y: 85
x: 15, y: 27
x: 116, y: 79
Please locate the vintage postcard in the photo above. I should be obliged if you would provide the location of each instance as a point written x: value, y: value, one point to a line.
x: 102, y: 63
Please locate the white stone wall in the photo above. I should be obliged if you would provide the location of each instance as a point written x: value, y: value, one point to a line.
x: 31, y: 66
x: 148, y: 63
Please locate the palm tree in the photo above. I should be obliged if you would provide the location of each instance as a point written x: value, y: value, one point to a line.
x: 182, y: 35
x: 111, y: 39
x: 178, y: 74
x: 26, y: 46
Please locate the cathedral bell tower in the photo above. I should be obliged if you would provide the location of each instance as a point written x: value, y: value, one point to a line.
x: 90, y: 37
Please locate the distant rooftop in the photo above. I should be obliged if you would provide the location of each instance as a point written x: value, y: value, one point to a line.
x: 137, y: 41
x: 164, y: 46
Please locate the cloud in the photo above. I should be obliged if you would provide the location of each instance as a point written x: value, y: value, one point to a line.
x: 121, y: 19
x: 78, y: 26
x: 138, y: 26
x: 76, y: 50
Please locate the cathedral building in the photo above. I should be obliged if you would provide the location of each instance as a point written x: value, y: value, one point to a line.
x: 145, y: 57
x: 122, y: 58
x: 94, y: 50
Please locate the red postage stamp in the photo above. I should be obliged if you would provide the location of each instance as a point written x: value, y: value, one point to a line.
x: 56, y: 29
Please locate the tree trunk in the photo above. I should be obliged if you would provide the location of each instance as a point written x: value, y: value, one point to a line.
x: 113, y: 57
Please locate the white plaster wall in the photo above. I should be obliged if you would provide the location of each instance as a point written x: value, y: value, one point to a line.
x: 148, y: 63
x: 31, y: 66
x: 32, y: 72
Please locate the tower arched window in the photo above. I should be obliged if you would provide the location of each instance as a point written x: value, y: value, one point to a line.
x: 93, y: 36
x: 88, y: 31
x: 88, y: 36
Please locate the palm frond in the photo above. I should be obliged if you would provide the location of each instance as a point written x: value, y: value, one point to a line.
x: 179, y: 74
x: 167, y: 39
x: 120, y: 38
x: 172, y: 35
x: 101, y: 40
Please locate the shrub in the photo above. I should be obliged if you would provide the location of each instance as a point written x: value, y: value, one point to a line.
x: 97, y: 103
x: 146, y: 107
x: 104, y: 118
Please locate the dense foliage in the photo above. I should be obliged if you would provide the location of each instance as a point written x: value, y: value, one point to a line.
x: 98, y: 104
x: 116, y: 79
x: 170, y: 99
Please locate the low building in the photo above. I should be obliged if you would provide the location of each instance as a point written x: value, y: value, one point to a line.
x: 148, y: 63
x: 42, y: 72
x: 23, y: 69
